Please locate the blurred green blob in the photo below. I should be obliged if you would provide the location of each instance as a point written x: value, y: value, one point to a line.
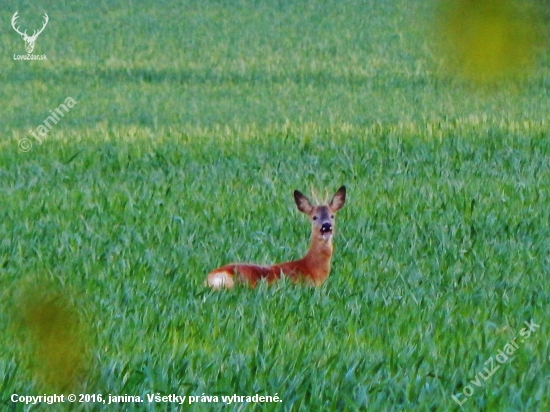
x: 485, y: 40
x: 52, y: 338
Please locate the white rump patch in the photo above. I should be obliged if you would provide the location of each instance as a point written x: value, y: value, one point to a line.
x: 218, y: 280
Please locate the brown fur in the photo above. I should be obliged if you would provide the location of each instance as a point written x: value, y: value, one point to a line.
x: 313, y: 268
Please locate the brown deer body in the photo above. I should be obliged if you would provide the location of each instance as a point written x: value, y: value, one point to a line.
x: 313, y: 268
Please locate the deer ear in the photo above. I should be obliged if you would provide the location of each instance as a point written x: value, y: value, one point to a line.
x: 338, y: 199
x: 303, y: 203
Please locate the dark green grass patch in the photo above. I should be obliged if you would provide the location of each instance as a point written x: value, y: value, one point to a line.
x: 441, y: 255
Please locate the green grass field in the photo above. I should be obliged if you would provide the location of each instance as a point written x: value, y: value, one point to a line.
x: 195, y: 122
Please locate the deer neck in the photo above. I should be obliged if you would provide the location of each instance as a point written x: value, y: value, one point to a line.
x: 319, y: 253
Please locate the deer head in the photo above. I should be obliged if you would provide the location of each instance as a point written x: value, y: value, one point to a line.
x: 322, y: 217
x: 29, y: 40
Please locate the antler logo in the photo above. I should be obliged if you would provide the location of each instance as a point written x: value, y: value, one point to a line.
x: 29, y: 40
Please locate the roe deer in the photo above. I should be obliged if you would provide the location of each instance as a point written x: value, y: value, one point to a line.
x: 313, y: 268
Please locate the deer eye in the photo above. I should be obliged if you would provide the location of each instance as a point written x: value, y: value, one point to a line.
x: 314, y: 217
x: 332, y: 216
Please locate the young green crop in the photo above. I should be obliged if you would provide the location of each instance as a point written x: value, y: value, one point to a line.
x: 189, y: 137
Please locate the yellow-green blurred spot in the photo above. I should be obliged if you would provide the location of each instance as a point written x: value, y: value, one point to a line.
x: 489, y: 39
x: 53, y: 338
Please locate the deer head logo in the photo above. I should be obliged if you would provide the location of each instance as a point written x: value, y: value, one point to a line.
x: 29, y: 40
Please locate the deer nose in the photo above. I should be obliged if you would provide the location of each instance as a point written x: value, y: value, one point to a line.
x: 326, y: 227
